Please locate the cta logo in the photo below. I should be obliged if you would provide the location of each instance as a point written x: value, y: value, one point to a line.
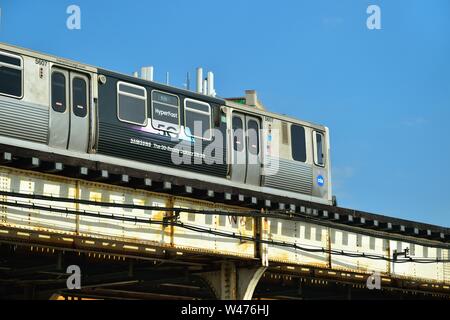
x: 320, y: 181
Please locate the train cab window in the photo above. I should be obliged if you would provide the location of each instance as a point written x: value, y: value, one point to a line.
x: 238, y: 134
x: 253, y: 137
x: 59, y: 93
x: 165, y: 111
x: 319, y: 150
x: 132, y: 104
x: 298, y: 143
x: 11, y: 74
x: 197, y: 119
x: 79, y: 96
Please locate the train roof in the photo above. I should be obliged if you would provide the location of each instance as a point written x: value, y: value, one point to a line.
x: 45, y: 56
x: 231, y: 102
x: 160, y: 86
x: 253, y: 109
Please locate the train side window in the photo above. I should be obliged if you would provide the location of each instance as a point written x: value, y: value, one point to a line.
x: 79, y: 96
x: 319, y: 156
x: 298, y: 143
x: 238, y: 134
x: 59, y: 93
x: 165, y: 111
x: 253, y: 137
x: 132, y: 104
x: 11, y: 75
x: 197, y: 119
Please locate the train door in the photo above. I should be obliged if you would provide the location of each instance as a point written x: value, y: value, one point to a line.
x: 246, y: 149
x: 69, y: 112
x: 79, y: 115
x: 253, y: 175
x: 59, y: 109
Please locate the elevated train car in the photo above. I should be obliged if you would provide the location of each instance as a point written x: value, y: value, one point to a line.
x: 63, y: 107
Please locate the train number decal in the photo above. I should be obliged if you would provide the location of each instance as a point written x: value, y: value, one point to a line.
x: 41, y: 62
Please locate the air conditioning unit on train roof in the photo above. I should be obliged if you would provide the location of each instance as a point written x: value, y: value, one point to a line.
x: 146, y: 73
x: 250, y: 99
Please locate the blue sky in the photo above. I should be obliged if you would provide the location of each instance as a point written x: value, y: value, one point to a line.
x: 385, y: 94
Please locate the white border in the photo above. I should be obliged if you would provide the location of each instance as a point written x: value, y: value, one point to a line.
x: 169, y: 105
x: 66, y: 75
x: 21, y: 68
x: 133, y: 96
x: 200, y: 112
x: 315, y: 133
x: 80, y: 76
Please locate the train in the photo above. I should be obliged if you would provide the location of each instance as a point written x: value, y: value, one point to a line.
x: 58, y: 106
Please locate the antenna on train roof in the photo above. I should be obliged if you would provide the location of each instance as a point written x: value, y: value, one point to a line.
x: 205, y: 85
x: 210, y: 79
x: 188, y: 81
x: 199, y: 80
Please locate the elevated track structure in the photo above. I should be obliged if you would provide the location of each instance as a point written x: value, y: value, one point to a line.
x: 141, y: 235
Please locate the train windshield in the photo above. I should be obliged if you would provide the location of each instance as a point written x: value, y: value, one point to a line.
x: 298, y: 141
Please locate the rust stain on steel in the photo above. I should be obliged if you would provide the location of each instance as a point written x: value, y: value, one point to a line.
x: 328, y: 242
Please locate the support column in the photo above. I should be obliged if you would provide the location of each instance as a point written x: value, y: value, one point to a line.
x: 231, y: 283
x: 330, y: 255
x: 248, y: 279
x: 77, y: 206
x: 169, y: 215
